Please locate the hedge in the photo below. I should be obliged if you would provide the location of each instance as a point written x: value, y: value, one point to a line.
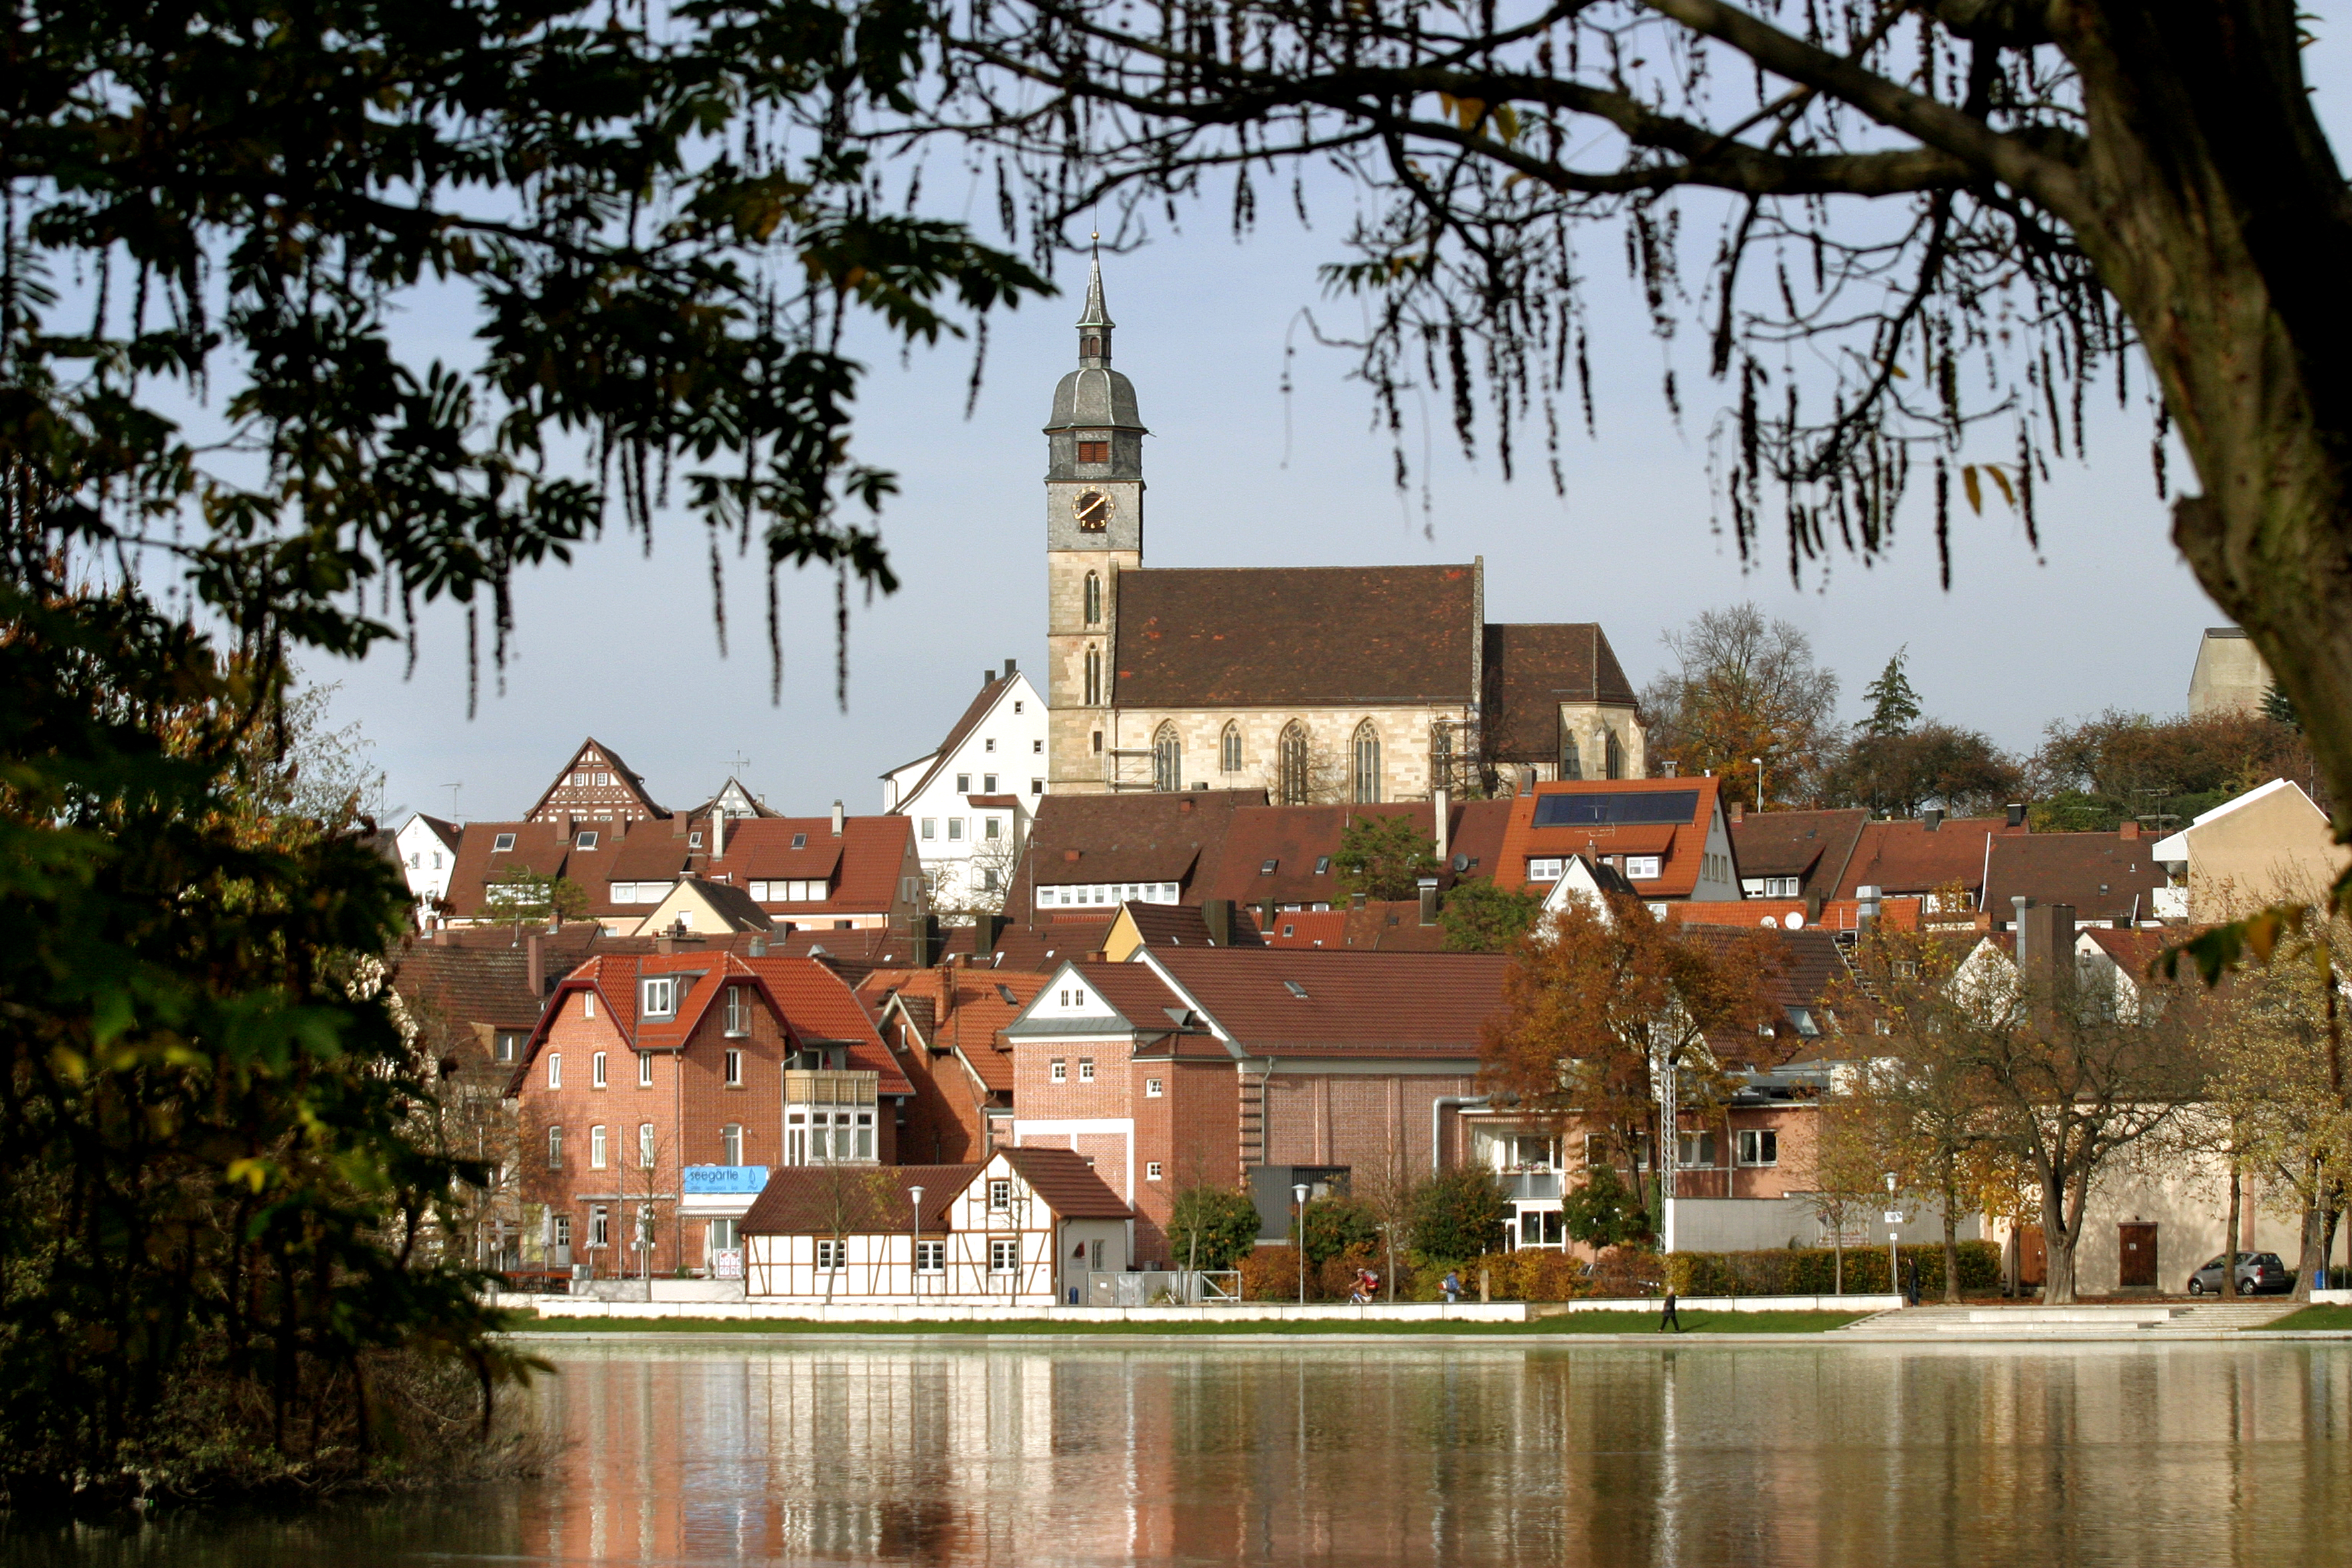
x: 1812, y: 1270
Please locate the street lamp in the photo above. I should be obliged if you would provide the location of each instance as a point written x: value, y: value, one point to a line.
x: 915, y: 1272
x: 1759, y: 783
x: 1300, y: 1193
x: 1893, y: 1237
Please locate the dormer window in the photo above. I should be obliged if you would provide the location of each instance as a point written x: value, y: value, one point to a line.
x: 502, y: 843
x: 657, y: 998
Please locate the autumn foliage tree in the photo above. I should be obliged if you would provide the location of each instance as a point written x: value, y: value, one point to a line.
x: 1743, y: 688
x: 1601, y: 997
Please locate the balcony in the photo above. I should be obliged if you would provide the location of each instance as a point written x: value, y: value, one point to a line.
x: 810, y: 1087
x: 2170, y: 903
x: 1524, y: 1184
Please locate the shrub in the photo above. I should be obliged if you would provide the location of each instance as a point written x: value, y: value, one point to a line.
x: 1225, y: 1222
x: 1335, y: 1226
x: 1602, y: 1212
x: 1534, y: 1274
x: 1627, y: 1271
x: 1812, y: 1270
x: 1271, y: 1273
x: 1459, y: 1215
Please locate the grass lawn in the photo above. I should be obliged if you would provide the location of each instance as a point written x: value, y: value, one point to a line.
x: 2316, y: 1318
x: 1699, y: 1322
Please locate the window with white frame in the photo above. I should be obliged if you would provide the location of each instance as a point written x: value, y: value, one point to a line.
x: 555, y: 1148
x: 596, y: 1147
x: 1760, y: 1146
x: 963, y: 783
x: 1037, y: 786
x: 584, y: 841
x: 501, y: 844
x: 599, y: 1226
x: 930, y: 827
x: 734, y: 1069
x: 822, y: 1137
x: 1086, y: 1069
x: 1059, y: 1071
x: 1000, y: 1195
x: 988, y: 744
x: 1003, y: 1254
x: 832, y: 1257
x: 992, y: 826
x: 723, y: 1235
x: 596, y: 1071
x: 645, y: 1145
x: 1151, y: 1170
x: 730, y: 1144
x: 1151, y: 1088
x: 988, y: 787
x: 1782, y: 887
x: 645, y: 1069
x: 508, y: 1043
x: 588, y: 1004
x: 1694, y: 1150
x: 738, y: 1010
x: 555, y: 1069
x: 559, y: 1230
x: 930, y: 1257
x: 657, y: 998
x: 1545, y: 868
x: 1641, y: 867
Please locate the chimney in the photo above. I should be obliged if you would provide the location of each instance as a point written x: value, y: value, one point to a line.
x: 1428, y: 886
x: 757, y: 947
x: 1217, y: 914
x: 563, y: 828
x: 1738, y: 814
x: 2018, y: 905
x: 717, y: 832
x: 928, y: 944
x: 2129, y: 831
x: 1183, y: 806
x: 985, y: 931
x: 1010, y: 670
x: 1441, y: 809
x: 1932, y: 818
x: 1673, y: 769
x: 1866, y: 914
x: 677, y: 824
x: 2044, y: 957
x: 836, y: 819
x: 2016, y: 814
x: 987, y: 678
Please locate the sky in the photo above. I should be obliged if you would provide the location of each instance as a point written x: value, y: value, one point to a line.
x: 621, y: 645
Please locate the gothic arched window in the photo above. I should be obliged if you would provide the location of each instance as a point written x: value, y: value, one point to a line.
x: 1366, y: 751
x: 1166, y: 760
x: 1571, y: 755
x: 1094, y: 600
x: 1291, y: 781
x: 1093, y: 677
x: 1229, y: 749
x: 1613, y: 756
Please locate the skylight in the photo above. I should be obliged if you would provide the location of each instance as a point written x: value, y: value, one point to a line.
x: 1295, y: 989
x: 1267, y: 869
x: 800, y: 840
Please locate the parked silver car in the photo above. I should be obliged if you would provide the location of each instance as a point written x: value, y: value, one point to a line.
x: 2259, y: 1274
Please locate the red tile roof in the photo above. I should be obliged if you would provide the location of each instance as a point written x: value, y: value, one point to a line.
x: 1265, y: 637
x: 2104, y: 876
x: 1678, y: 845
x: 821, y: 1200
x: 1308, y: 928
x: 1355, y: 1003
x: 1904, y: 857
x: 1093, y: 840
x: 967, y: 1009
x: 469, y: 985
x: 1047, y: 947
x: 866, y: 862
x: 1067, y: 1181
x: 1813, y: 845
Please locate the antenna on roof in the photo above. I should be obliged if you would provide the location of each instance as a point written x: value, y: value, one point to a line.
x: 453, y: 789
x: 737, y: 762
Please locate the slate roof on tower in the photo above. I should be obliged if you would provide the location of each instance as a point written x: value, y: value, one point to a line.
x: 1274, y: 636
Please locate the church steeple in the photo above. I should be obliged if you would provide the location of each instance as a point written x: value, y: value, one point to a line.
x: 1094, y: 322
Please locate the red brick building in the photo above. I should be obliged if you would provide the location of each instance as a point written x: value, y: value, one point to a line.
x: 646, y: 1064
x: 945, y: 1026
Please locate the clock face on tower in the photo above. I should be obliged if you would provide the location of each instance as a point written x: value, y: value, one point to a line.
x: 1093, y: 509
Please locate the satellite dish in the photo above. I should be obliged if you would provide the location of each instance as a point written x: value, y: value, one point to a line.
x: 1795, y: 921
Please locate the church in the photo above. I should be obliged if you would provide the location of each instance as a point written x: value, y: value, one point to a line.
x: 1317, y: 684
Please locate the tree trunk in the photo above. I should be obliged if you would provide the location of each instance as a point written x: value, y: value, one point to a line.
x: 1951, y: 1251
x: 2219, y: 218
x: 2058, y: 1242
x: 2307, y: 1272
x: 1837, y: 1259
x: 2237, y: 1218
x: 2331, y: 1217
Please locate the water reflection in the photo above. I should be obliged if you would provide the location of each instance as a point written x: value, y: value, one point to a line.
x: 1773, y: 1455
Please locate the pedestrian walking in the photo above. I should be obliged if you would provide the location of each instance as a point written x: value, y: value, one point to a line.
x: 1451, y: 1285
x: 1670, y: 1318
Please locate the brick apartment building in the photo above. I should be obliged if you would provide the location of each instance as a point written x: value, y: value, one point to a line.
x: 644, y: 1065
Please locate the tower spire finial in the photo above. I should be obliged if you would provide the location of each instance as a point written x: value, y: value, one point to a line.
x: 1096, y: 313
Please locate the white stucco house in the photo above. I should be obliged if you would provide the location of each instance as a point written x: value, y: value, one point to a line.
x: 971, y: 801
x: 427, y: 847
x: 1025, y: 1229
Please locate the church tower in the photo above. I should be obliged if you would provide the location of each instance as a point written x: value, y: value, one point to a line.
x: 1094, y: 532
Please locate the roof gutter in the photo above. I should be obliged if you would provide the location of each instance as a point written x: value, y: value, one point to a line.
x: 1436, y: 1123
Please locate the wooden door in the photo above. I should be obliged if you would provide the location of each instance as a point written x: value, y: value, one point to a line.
x: 2136, y: 1244
x: 2032, y: 1255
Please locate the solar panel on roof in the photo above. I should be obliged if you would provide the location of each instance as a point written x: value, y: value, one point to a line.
x: 1632, y: 806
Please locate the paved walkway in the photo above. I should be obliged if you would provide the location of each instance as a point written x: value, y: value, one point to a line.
x: 2097, y: 1319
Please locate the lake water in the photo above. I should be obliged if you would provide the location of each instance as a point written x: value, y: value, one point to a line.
x: 2073, y: 1455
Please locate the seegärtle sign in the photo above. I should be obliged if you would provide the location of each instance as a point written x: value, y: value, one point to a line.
x: 725, y: 1178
